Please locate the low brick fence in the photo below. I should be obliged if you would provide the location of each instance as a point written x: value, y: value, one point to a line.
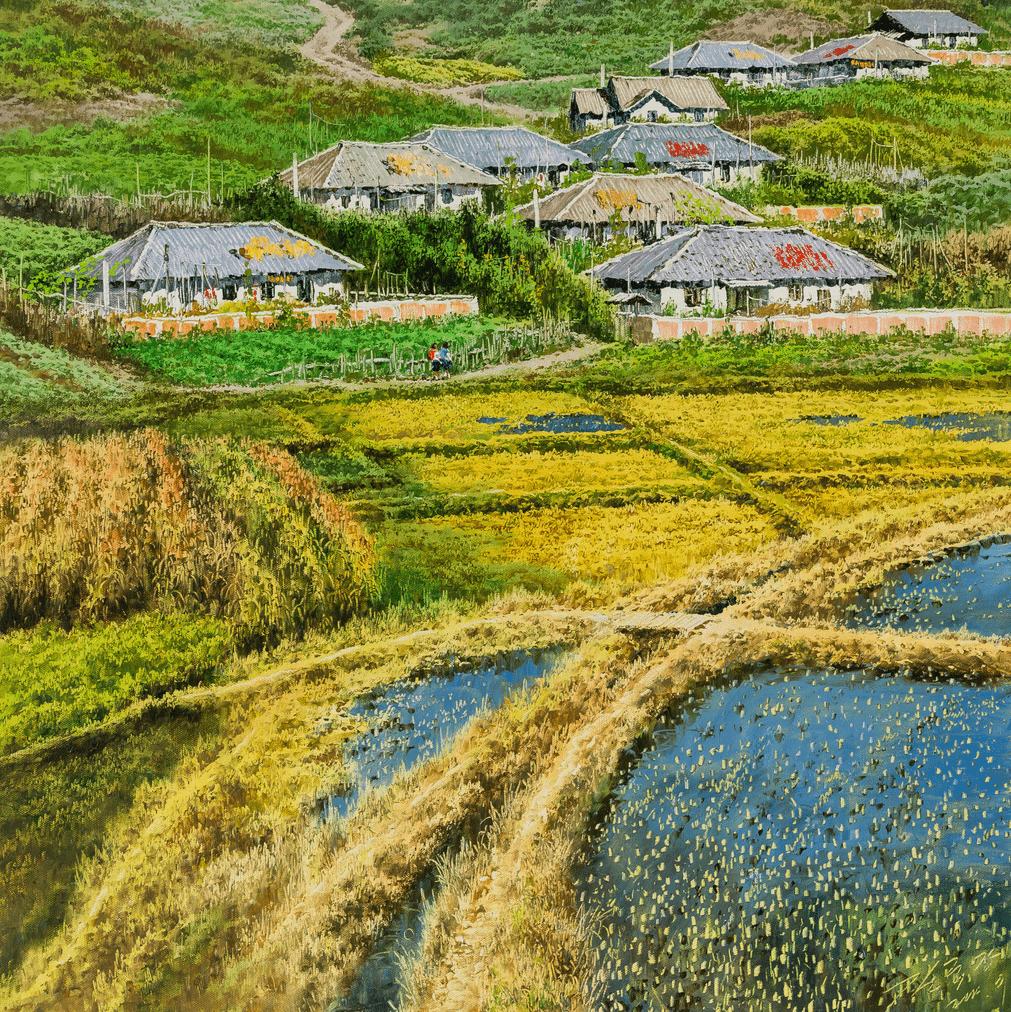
x: 811, y: 214
x: 977, y: 58
x: 386, y: 311
x: 649, y: 328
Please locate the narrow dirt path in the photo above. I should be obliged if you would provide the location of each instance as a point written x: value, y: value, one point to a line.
x: 330, y: 49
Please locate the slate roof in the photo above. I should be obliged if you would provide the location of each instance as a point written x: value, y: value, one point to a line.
x: 401, y: 165
x: 726, y: 254
x: 639, y: 198
x: 672, y: 145
x: 490, y: 148
x: 707, y: 56
x: 929, y: 22
x: 222, y: 250
x: 874, y: 47
x: 682, y: 92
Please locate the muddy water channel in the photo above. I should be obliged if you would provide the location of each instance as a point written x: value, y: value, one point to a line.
x: 410, y: 721
x: 818, y: 840
x: 968, y: 426
x: 965, y: 589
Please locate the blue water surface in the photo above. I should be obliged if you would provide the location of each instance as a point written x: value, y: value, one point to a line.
x: 966, y: 590
x: 409, y: 721
x: 797, y: 836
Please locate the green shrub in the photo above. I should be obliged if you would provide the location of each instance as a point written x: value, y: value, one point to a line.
x: 444, y: 73
x: 53, y: 682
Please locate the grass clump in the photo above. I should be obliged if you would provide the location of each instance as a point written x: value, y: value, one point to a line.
x: 444, y: 73
x: 92, y: 529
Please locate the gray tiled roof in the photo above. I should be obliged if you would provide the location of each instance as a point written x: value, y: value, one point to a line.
x: 401, y: 165
x: 222, y: 250
x: 726, y: 253
x: 638, y: 198
x: 929, y: 22
x: 875, y: 47
x: 706, y: 55
x: 491, y: 148
x: 672, y: 145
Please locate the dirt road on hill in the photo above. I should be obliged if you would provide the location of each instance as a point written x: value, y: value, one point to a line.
x: 331, y: 49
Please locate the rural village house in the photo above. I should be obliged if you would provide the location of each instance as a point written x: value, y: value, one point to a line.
x: 400, y: 176
x: 644, y: 207
x: 500, y: 151
x: 929, y: 29
x: 743, y: 63
x: 179, y: 264
x: 701, y: 151
x: 738, y: 270
x: 861, y: 56
x: 644, y: 100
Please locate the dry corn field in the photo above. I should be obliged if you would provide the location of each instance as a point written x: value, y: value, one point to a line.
x: 514, y: 699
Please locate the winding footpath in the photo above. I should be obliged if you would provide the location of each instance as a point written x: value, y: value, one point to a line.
x: 330, y: 49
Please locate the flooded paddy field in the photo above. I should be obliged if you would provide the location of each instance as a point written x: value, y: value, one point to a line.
x: 820, y: 840
x: 968, y: 588
x: 554, y: 423
x: 968, y: 426
x: 409, y: 721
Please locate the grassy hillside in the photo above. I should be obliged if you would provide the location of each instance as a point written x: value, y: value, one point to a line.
x: 232, y: 113
x: 565, y: 37
x: 274, y: 21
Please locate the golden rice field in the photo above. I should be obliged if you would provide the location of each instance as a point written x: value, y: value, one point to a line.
x: 569, y: 701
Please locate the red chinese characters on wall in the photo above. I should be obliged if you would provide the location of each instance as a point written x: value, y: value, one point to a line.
x: 686, y: 149
x: 793, y: 256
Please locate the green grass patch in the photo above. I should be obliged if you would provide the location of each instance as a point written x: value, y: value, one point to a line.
x: 256, y: 358
x: 551, y: 97
x: 53, y: 682
x: 957, y: 120
x: 275, y: 21
x: 36, y: 380
x: 743, y: 362
x: 33, y: 254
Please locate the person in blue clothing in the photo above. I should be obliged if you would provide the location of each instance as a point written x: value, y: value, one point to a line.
x: 442, y: 364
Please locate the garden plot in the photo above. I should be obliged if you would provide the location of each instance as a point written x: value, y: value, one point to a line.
x: 410, y: 721
x: 827, y: 837
x: 966, y: 589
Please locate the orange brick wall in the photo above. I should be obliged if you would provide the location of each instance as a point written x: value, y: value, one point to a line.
x: 977, y: 59
x: 324, y: 316
x: 814, y: 213
x: 925, y: 321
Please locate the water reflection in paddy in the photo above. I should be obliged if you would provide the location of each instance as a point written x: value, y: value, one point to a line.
x: 409, y: 721
x: 828, y: 838
x: 968, y: 589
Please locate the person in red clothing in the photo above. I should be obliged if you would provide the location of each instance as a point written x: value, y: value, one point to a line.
x: 433, y: 364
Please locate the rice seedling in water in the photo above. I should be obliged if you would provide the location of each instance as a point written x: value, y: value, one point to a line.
x: 824, y: 840
x: 409, y: 721
x: 968, y: 589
